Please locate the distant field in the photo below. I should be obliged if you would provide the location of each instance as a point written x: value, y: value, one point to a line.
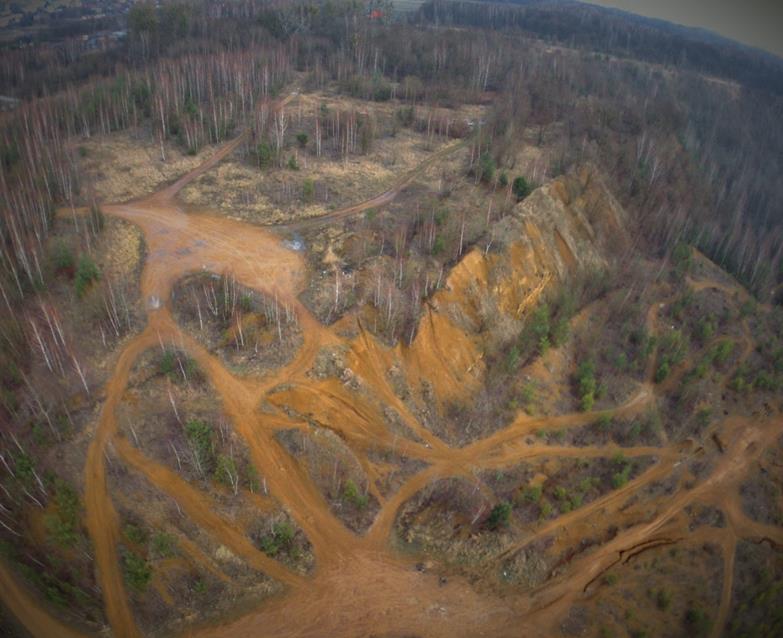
x: 406, y: 6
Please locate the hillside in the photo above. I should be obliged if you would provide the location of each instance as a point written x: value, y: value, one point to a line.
x: 318, y: 323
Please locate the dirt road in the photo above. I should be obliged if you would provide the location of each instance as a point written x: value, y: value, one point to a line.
x: 374, y: 202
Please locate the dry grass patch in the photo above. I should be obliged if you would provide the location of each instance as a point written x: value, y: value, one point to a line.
x: 277, y: 195
x: 127, y: 165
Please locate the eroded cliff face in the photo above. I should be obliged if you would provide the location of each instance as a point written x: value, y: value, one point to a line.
x: 569, y: 225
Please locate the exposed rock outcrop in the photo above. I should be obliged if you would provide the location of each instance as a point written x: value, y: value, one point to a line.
x: 571, y: 224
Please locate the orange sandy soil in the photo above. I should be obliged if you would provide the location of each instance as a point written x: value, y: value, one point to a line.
x: 361, y: 585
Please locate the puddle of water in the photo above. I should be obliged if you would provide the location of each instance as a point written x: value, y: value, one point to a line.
x: 296, y: 244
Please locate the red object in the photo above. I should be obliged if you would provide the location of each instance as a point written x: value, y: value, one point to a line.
x: 376, y: 13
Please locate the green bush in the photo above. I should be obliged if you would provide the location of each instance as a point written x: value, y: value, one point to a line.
x: 588, y: 483
x: 302, y: 138
x: 621, y: 362
x: 682, y: 258
x: 619, y: 479
x: 406, y: 115
x: 528, y: 394
x: 559, y: 332
x: 199, y: 434
x: 663, y: 599
x: 539, y: 328
x: 533, y: 493
x: 441, y: 216
x: 662, y: 372
x: 135, y: 534
x: 703, y: 417
x: 499, y: 516
x: 681, y: 304
x: 56, y: 591
x: 137, y: 571
x: 486, y: 167
x: 381, y: 88
x: 739, y: 382
x: 163, y: 545
x: 308, y: 190
x: 225, y: 469
x: 586, y: 385
x: 765, y: 382
x: 520, y: 188
x: 705, y: 329
x: 264, y: 154
x: 24, y: 469
x: 9, y: 155
x: 352, y: 494
x: 697, y: 622
x: 512, y: 358
x: 535, y: 336
x: 86, y: 273
x: 169, y: 365
x: 63, y: 523
x: 556, y: 435
x: 251, y: 476
x: 748, y: 309
x: 621, y: 476
x: 292, y: 163
x: 698, y: 372
x: 674, y: 346
x: 673, y: 350
x: 586, y: 402
x: 604, y: 422
x: 280, y: 539
x: 246, y: 302
x: 63, y: 259
x: 777, y: 359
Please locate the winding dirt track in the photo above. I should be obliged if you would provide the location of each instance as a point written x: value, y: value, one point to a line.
x: 374, y: 202
x: 360, y: 585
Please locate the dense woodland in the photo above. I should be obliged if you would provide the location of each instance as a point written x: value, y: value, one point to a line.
x: 701, y: 113
x: 690, y: 139
x: 584, y: 26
